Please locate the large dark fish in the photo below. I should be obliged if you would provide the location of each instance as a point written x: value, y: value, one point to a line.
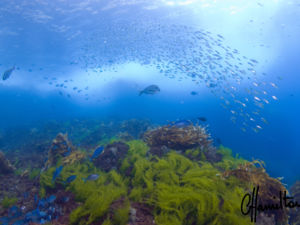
x: 150, y: 90
x: 8, y: 73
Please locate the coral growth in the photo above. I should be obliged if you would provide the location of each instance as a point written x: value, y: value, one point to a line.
x: 5, y: 166
x: 178, y: 138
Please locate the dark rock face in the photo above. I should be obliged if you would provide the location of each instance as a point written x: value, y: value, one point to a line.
x: 141, y: 214
x: 159, y: 151
x: 111, y: 157
x: 5, y: 166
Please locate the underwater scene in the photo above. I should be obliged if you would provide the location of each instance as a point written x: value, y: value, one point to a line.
x: 149, y: 112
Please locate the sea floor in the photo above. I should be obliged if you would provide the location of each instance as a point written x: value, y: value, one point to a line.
x: 134, y: 172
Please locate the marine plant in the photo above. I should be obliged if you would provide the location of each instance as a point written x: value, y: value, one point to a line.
x: 179, y: 188
x: 228, y: 162
x: 8, y: 201
x: 97, y: 196
x: 121, y: 214
x: 34, y: 173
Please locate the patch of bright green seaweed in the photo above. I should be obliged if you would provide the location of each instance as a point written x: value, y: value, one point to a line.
x: 179, y: 190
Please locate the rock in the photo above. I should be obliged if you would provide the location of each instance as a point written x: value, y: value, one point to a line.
x: 132, y: 213
x: 112, y: 156
x: 159, y: 150
x: 5, y: 166
x: 141, y: 214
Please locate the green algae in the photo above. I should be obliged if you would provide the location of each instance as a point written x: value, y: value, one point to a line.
x: 121, y: 215
x: 7, y: 202
x: 178, y: 189
x: 97, y: 196
x: 228, y: 161
x: 34, y: 173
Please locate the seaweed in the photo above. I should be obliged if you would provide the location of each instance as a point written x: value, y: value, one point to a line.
x: 121, y: 214
x: 228, y: 162
x: 96, y: 200
x: 7, y: 202
x: 34, y: 173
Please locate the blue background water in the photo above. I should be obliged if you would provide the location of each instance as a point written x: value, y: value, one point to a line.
x: 24, y: 99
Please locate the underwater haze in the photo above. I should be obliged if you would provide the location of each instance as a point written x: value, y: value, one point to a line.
x: 226, y: 66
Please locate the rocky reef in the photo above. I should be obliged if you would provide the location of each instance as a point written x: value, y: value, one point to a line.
x: 139, y: 188
x: 173, y: 176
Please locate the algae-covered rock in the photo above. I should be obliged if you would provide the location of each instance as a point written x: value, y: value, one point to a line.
x: 60, y: 147
x: 178, y: 138
x: 75, y: 156
x: 295, y: 213
x: 269, y: 187
x: 5, y: 166
x: 112, y: 156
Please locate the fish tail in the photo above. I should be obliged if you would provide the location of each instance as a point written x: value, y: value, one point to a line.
x: 141, y: 92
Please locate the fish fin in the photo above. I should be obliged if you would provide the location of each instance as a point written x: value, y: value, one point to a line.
x: 141, y: 92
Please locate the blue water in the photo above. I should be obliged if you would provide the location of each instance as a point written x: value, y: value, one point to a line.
x: 57, y: 40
